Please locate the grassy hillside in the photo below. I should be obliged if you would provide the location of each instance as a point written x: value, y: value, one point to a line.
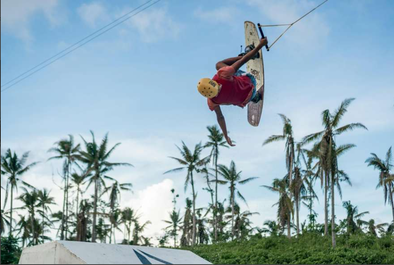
x: 308, y: 249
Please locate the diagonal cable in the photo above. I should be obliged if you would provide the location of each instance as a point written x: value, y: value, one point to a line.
x: 291, y: 24
x: 78, y: 44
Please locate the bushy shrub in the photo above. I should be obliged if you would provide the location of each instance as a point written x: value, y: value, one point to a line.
x: 10, y: 251
x: 307, y: 249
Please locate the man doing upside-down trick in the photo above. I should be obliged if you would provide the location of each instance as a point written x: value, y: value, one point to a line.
x: 232, y: 86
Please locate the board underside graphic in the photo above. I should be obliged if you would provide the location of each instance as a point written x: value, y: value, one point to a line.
x: 256, y: 68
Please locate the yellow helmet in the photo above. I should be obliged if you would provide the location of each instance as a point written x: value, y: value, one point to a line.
x: 208, y: 88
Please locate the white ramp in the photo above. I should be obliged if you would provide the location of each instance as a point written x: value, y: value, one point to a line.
x: 70, y: 252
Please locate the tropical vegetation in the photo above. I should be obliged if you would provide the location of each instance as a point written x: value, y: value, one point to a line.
x: 221, y: 231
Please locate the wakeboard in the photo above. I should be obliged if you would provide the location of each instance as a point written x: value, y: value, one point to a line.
x: 256, y: 68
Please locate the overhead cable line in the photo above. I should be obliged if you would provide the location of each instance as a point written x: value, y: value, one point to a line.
x: 77, y: 45
x: 291, y: 24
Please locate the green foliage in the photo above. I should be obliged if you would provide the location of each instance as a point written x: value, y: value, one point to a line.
x: 307, y: 249
x: 10, y: 251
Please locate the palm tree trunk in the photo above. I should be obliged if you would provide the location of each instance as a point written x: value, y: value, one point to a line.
x: 32, y: 228
x: 290, y: 170
x: 76, y: 212
x: 43, y: 220
x: 333, y: 211
x: 216, y: 199
x: 194, y: 211
x: 391, y: 199
x: 11, y: 209
x: 129, y: 233
x: 232, y: 213
x: 114, y: 236
x: 63, y: 211
x: 67, y: 187
x: 95, y: 209
x: 290, y: 183
x: 110, y: 235
x: 311, y: 205
x: 325, y: 204
x: 298, y: 217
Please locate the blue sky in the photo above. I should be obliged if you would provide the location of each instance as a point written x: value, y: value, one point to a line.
x: 138, y: 82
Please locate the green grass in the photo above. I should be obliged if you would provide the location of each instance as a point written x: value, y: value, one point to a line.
x: 308, y: 249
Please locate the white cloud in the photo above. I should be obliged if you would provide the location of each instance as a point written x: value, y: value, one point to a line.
x: 16, y: 15
x: 219, y: 15
x: 153, y: 204
x: 311, y: 31
x: 92, y: 13
x: 155, y: 25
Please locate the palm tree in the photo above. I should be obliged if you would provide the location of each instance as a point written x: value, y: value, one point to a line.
x: 138, y: 230
x: 299, y: 191
x: 202, y: 231
x: 372, y: 227
x: 174, y: 224
x: 114, y: 200
x: 211, y: 206
x: 44, y: 200
x: 232, y: 177
x: 96, y: 156
x: 57, y: 218
x: 301, y: 188
x: 390, y: 230
x: 216, y: 140
x: 222, y: 223
x: 311, y: 179
x: 4, y: 221
x: 78, y: 180
x: 187, y: 228
x: 116, y: 221
x: 285, y: 205
x: 386, y: 180
x: 103, y: 230
x: 329, y: 161
x: 289, y: 145
x: 39, y: 236
x: 243, y: 224
x: 67, y: 150
x: 352, y: 217
x: 24, y: 229
x: 146, y: 241
x: 85, y: 208
x: 271, y: 228
x: 13, y: 168
x: 128, y: 217
x: 30, y: 202
x: 192, y: 162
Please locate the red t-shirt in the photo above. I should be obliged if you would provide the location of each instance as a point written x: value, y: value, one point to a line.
x: 236, y: 90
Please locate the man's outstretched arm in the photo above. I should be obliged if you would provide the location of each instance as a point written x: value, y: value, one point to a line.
x: 238, y: 64
x: 222, y: 124
x: 238, y: 61
x: 227, y: 62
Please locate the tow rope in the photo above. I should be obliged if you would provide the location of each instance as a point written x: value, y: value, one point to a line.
x: 289, y: 25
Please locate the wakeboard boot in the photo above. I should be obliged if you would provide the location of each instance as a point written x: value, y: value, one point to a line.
x: 250, y: 48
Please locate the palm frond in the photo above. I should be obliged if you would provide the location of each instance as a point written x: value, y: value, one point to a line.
x: 344, y: 148
x: 274, y: 138
x: 174, y: 170
x: 312, y: 137
x: 349, y: 127
x: 247, y: 180
x: 340, y: 112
